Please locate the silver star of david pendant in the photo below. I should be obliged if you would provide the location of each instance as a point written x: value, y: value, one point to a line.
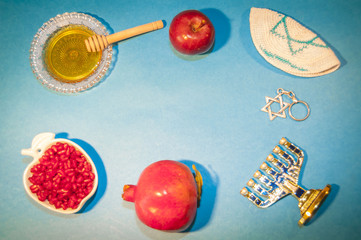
x: 283, y: 106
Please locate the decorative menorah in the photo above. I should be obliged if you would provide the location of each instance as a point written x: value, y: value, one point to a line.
x: 278, y: 177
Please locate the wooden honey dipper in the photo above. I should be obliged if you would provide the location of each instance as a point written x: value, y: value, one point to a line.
x: 97, y: 43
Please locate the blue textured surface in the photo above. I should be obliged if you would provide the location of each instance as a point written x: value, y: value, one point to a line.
x: 157, y: 105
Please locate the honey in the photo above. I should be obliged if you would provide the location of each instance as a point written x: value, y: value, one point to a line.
x: 66, y: 57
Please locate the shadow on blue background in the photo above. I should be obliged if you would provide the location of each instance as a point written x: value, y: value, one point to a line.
x: 221, y: 25
x: 164, y: 23
x: 247, y: 42
x: 208, y: 198
x: 102, y: 176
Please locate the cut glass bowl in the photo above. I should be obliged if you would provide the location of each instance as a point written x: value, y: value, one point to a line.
x: 39, y: 43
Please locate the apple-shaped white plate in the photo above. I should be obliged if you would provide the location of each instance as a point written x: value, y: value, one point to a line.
x: 39, y: 145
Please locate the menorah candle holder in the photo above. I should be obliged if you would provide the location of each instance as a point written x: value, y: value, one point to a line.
x: 279, y: 176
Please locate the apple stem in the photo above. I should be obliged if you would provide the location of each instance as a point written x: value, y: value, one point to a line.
x: 129, y: 192
x: 198, y: 27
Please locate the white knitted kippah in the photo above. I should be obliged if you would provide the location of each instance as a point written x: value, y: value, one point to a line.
x: 289, y: 46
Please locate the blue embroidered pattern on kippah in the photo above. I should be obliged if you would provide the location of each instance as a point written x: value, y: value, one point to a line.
x: 276, y: 31
x: 289, y: 39
x: 274, y: 56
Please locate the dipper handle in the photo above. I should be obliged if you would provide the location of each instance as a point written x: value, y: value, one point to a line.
x: 97, y: 43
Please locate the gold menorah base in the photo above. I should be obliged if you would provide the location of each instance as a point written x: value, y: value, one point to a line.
x: 310, y: 202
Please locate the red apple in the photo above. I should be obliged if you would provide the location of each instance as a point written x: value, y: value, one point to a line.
x: 191, y: 32
x: 166, y: 195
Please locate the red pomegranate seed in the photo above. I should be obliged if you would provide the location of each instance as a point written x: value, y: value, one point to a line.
x: 57, y: 204
x: 79, y: 179
x: 87, y: 180
x: 34, y: 188
x: 63, y: 176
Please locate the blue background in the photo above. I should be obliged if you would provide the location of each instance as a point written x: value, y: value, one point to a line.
x: 158, y: 105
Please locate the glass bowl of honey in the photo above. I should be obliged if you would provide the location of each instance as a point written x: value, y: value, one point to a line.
x: 58, y: 55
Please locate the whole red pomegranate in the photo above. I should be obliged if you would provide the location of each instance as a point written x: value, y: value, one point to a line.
x: 166, y: 195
